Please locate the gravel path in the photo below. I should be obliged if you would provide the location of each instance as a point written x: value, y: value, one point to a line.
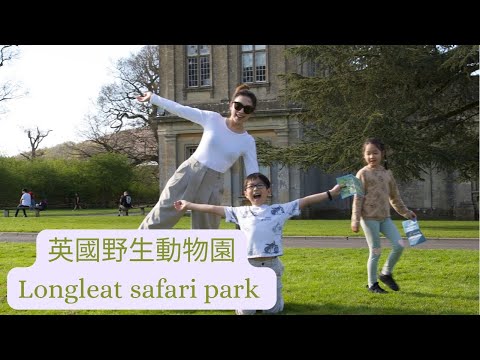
x: 309, y: 241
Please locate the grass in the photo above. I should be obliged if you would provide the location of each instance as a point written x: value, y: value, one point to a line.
x: 108, y: 219
x: 331, y: 282
x: 316, y: 281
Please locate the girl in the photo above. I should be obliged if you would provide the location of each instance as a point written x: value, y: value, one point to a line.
x: 372, y: 212
x: 200, y: 178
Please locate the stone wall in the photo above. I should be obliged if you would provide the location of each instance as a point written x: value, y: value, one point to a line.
x: 437, y: 196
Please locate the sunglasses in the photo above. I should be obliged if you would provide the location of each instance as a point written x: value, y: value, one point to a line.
x: 247, y: 109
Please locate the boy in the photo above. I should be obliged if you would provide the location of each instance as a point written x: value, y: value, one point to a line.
x: 262, y: 225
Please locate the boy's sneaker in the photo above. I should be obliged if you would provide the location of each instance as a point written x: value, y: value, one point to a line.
x: 375, y: 288
x: 388, y: 280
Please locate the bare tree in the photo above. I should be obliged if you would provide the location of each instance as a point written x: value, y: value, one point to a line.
x: 122, y: 124
x: 138, y: 144
x: 8, y: 89
x: 35, y: 140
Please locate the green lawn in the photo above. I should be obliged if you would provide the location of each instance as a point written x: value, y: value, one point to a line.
x: 332, y: 282
x: 316, y: 281
x: 108, y: 219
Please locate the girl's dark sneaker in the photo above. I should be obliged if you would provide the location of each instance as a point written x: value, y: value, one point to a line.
x: 375, y: 288
x: 388, y: 280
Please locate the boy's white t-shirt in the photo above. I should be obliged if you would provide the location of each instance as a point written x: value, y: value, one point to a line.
x: 219, y: 147
x: 263, y: 226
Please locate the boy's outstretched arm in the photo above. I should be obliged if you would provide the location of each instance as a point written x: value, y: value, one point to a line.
x: 187, y: 205
x: 316, y: 198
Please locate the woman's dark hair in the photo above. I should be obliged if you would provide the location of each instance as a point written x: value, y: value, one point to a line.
x: 255, y: 176
x: 244, y: 89
x: 380, y: 146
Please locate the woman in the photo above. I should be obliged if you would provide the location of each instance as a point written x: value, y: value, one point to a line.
x: 200, y: 178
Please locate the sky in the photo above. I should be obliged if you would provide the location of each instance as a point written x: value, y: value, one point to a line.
x: 63, y: 83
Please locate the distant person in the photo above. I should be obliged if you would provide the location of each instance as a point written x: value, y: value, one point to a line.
x: 200, y: 178
x: 125, y: 203
x: 76, y: 201
x: 262, y: 225
x: 32, y: 200
x: 372, y: 212
x: 42, y: 205
x: 25, y: 202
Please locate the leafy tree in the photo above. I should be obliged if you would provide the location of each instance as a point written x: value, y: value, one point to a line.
x: 421, y: 100
x: 144, y: 187
x: 99, y: 180
x: 108, y: 176
x: 10, y: 181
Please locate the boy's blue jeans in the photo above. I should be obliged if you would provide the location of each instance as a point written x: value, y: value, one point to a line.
x: 372, y: 230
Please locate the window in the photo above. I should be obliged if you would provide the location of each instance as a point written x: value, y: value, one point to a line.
x: 254, y: 63
x: 312, y: 68
x: 198, y: 66
x: 189, y: 150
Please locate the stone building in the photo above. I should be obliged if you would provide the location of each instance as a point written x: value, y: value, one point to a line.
x: 205, y: 76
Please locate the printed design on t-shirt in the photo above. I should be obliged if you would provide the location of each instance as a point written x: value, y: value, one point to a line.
x: 277, y: 210
x: 293, y: 210
x: 271, y: 248
x: 254, y: 214
x: 277, y: 229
